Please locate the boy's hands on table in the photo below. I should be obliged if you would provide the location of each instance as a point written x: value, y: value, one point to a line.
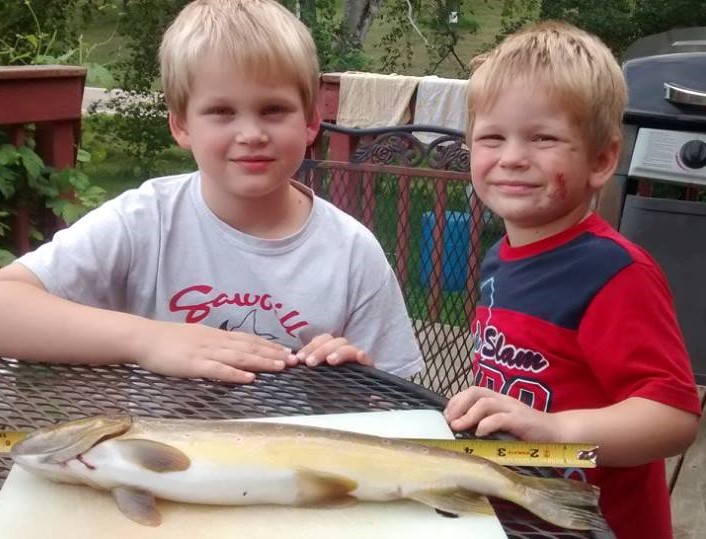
x: 332, y: 350
x: 491, y: 412
x: 198, y: 351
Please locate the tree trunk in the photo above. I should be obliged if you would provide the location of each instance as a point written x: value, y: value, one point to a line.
x: 358, y: 15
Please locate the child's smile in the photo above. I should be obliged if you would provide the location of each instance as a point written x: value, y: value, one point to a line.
x: 254, y: 164
x: 530, y: 163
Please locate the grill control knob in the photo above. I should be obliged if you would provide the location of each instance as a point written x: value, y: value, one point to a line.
x: 693, y: 154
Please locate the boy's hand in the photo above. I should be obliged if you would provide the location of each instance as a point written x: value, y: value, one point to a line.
x: 492, y: 412
x: 198, y: 351
x: 334, y: 351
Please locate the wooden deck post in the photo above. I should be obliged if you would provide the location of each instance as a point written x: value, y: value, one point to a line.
x: 49, y: 97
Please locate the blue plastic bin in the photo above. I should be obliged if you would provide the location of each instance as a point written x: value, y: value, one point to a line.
x: 454, y: 258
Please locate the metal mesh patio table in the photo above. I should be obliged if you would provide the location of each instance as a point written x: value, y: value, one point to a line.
x: 34, y: 395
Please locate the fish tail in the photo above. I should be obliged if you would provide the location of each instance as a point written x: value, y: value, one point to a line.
x: 563, y: 502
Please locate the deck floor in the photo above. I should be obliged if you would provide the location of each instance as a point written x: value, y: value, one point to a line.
x: 687, y: 480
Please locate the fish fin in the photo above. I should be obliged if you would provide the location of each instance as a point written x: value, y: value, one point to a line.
x: 563, y: 502
x: 457, y: 501
x: 137, y: 505
x: 154, y: 456
x: 320, y: 489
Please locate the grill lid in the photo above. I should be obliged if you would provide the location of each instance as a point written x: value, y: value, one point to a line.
x: 667, y: 91
x: 690, y: 39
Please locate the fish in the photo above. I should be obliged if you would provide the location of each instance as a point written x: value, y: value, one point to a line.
x: 227, y: 462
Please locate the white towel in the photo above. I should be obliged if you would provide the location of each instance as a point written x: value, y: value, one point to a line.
x: 441, y: 103
x: 373, y: 100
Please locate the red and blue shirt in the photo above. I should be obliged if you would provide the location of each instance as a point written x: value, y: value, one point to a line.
x: 585, y: 319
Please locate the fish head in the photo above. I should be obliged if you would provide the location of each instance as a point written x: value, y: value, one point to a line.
x: 46, y: 451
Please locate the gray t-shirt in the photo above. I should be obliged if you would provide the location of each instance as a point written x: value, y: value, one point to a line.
x: 159, y: 252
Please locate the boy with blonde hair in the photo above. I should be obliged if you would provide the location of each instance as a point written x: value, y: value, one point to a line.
x: 223, y: 272
x: 575, y: 335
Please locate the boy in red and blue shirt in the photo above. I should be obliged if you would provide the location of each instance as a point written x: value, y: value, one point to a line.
x: 575, y: 334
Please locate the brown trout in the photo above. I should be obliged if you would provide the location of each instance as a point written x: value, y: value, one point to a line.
x: 243, y: 463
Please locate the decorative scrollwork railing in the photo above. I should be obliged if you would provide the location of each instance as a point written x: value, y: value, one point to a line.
x: 401, y: 145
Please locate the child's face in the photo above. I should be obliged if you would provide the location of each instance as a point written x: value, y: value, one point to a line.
x: 532, y: 166
x: 248, y: 137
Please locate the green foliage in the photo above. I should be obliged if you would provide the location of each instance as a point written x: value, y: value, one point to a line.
x: 397, y: 43
x: 26, y: 182
x: 654, y: 16
x: 429, y: 20
x: 143, y: 22
x: 38, y: 32
x: 612, y: 20
x: 50, y: 35
x: 20, y: 171
x: 114, y: 167
x: 140, y: 123
x: 334, y: 51
x: 617, y: 22
x: 516, y: 14
x: 444, y: 34
x: 6, y: 257
x: 22, y: 27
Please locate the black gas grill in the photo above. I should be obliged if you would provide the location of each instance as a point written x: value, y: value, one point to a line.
x: 658, y: 196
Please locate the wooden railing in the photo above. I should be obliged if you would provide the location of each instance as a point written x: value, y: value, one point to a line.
x: 49, y: 98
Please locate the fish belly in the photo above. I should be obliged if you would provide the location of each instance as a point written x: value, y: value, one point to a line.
x: 203, y: 482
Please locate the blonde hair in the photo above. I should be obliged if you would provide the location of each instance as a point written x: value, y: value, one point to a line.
x: 260, y: 37
x: 576, y: 69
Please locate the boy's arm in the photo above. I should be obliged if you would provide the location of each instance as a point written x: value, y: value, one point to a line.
x: 629, y: 433
x: 631, y: 340
x: 35, y: 324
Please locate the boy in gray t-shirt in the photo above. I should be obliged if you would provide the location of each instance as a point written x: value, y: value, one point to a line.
x: 223, y: 272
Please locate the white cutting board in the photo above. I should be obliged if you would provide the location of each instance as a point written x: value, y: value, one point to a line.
x: 31, y: 507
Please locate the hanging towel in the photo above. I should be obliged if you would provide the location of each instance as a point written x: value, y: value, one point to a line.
x: 441, y: 103
x: 373, y: 100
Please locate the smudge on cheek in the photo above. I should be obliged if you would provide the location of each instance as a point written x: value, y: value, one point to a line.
x: 561, y: 186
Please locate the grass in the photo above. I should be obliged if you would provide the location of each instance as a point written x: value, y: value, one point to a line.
x: 487, y: 14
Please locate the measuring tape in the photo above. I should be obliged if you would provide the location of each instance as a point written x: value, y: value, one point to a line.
x: 506, y: 452
x: 521, y: 453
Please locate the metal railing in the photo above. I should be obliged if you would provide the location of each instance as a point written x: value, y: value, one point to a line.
x: 410, y: 185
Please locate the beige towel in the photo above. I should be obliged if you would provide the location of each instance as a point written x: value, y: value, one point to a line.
x: 373, y: 100
x: 441, y: 103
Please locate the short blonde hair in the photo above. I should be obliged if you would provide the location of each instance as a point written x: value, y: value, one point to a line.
x: 260, y: 37
x: 576, y: 68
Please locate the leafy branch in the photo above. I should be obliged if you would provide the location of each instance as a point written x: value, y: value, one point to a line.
x: 26, y: 182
